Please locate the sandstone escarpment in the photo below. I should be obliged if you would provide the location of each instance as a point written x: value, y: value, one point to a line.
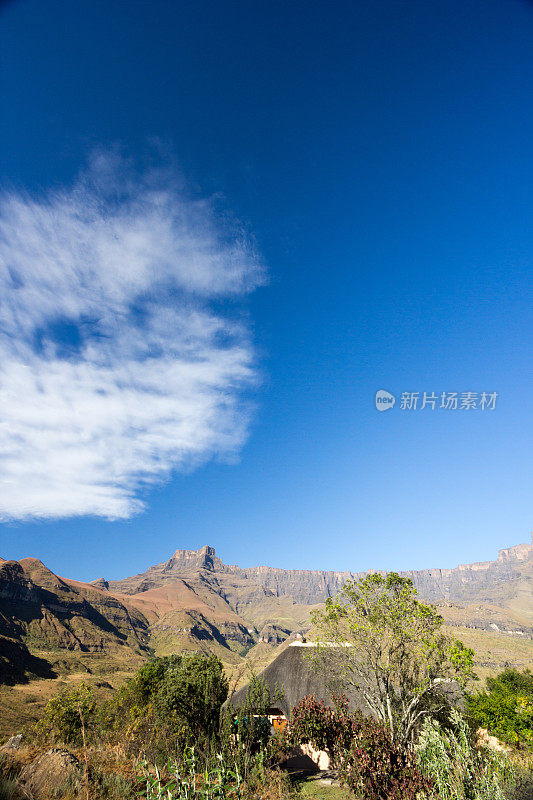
x: 195, y: 601
x: 45, y: 612
x: 239, y: 586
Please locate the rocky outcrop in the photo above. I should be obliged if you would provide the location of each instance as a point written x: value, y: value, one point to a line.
x: 273, y: 634
x: 181, y: 564
x: 100, y: 583
x: 42, y: 610
x: 15, y: 585
x: 240, y: 586
x: 55, y: 773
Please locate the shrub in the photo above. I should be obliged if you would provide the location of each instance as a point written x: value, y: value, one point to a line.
x: 170, y: 704
x: 313, y: 721
x: 459, y: 770
x: 368, y: 761
x: 61, y: 718
x: 376, y: 768
x: 192, y: 690
x: 506, y: 708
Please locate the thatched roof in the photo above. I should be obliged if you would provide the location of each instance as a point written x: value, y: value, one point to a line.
x: 295, y: 678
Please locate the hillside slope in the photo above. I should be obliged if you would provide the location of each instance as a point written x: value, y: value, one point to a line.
x: 193, y: 601
x: 60, y: 620
x: 506, y: 582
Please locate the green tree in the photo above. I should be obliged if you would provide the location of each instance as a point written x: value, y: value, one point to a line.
x: 171, y: 703
x: 192, y: 691
x: 506, y: 708
x: 63, y: 714
x: 379, y: 639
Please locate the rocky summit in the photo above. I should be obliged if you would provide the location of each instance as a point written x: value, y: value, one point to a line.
x: 489, y: 581
x: 51, y: 625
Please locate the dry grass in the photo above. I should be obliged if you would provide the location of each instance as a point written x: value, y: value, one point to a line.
x: 319, y: 790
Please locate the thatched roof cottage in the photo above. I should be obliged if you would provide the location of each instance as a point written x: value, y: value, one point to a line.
x: 295, y: 678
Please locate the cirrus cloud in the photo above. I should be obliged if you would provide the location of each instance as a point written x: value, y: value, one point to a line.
x: 120, y: 358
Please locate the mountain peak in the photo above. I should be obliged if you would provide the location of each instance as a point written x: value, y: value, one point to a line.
x: 191, y: 559
x: 520, y: 552
x: 206, y: 551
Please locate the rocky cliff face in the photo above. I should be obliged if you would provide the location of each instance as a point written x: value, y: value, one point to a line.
x: 195, y: 601
x: 47, y: 615
x: 485, y: 580
x: 15, y: 585
x: 488, y: 581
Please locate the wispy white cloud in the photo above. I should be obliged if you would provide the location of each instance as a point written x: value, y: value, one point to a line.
x: 117, y: 364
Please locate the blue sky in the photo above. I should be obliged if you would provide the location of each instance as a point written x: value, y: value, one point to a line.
x: 226, y: 225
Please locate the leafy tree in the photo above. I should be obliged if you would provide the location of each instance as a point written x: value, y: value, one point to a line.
x: 506, y: 708
x: 63, y: 714
x: 377, y: 638
x: 145, y: 684
x: 192, y: 690
x: 170, y: 704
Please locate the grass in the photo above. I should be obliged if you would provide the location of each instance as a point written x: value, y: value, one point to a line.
x: 522, y: 786
x: 21, y: 705
x: 315, y: 788
x: 495, y: 651
x: 9, y: 790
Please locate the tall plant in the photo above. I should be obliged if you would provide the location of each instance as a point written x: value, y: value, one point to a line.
x: 459, y: 770
x: 376, y: 637
x: 245, y: 730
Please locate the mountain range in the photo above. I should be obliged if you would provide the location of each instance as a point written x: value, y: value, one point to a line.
x: 52, y: 626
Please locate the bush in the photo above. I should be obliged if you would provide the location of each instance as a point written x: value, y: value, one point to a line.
x: 506, y: 708
x: 327, y: 728
x: 171, y: 703
x: 376, y: 768
x: 369, y: 762
x: 192, y: 690
x: 65, y: 713
x: 459, y: 770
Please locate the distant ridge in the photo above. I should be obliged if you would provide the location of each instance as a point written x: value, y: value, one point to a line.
x: 193, y: 601
x: 313, y: 586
